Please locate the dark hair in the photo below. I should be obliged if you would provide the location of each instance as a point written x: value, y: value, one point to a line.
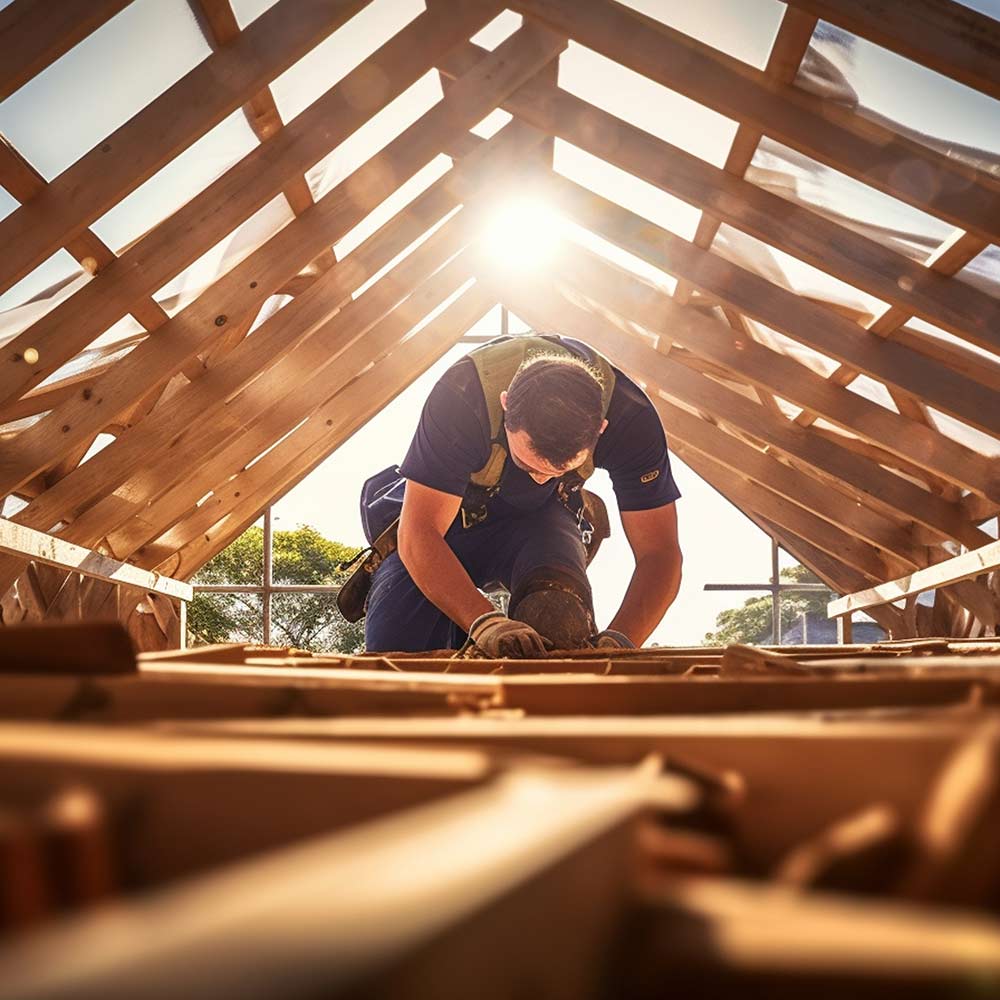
x: 556, y: 399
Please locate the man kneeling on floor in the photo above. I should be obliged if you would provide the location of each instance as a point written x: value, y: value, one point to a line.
x: 491, y: 493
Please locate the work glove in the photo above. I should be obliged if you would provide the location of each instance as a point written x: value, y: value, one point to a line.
x: 610, y: 639
x: 497, y: 636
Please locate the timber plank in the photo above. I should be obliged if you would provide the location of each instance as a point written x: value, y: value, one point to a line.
x: 169, y: 124
x: 871, y: 153
x: 795, y: 229
x: 235, y: 196
x: 949, y: 38
x: 882, y: 488
x: 782, y: 310
x: 239, y: 501
x: 35, y: 33
x: 515, y: 61
x: 962, y: 567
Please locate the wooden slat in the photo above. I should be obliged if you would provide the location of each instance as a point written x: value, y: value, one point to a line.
x: 234, y: 197
x: 949, y: 258
x: 884, y: 490
x: 285, y: 393
x: 186, y: 111
x: 834, y: 135
x: 186, y: 434
x: 262, y: 115
x: 944, y: 36
x: 795, y: 229
x: 89, y: 251
x: 156, y: 358
x: 787, y: 50
x: 35, y: 33
x: 15, y: 539
x: 777, y: 308
x: 230, y: 510
x: 743, y: 460
x: 963, y: 567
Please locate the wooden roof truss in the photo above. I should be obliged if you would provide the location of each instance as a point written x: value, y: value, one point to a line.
x: 212, y: 425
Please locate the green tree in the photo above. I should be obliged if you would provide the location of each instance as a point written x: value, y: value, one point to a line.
x: 751, y: 622
x: 306, y: 621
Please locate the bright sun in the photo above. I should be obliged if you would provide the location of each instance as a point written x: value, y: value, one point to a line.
x: 522, y: 234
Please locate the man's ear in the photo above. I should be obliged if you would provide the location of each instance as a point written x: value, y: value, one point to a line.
x: 503, y: 401
x: 604, y: 425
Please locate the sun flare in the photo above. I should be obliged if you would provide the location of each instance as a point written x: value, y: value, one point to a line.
x: 523, y: 234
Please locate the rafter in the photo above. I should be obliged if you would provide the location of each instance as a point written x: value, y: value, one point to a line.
x: 261, y: 113
x: 230, y: 200
x: 186, y: 111
x: 35, y: 33
x: 944, y: 36
x: 794, y: 229
x: 966, y: 197
x: 787, y: 50
x: 264, y: 271
x: 760, y: 365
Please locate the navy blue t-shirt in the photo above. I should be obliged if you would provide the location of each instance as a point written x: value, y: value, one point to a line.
x: 452, y: 442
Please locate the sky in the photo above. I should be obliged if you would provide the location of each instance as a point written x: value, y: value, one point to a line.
x: 52, y: 121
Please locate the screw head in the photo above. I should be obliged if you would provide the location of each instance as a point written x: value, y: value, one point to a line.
x: 220, y: 320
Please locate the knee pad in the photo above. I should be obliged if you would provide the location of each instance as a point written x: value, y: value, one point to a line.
x: 557, y: 605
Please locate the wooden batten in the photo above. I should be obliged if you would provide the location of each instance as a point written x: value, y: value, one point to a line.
x: 964, y: 196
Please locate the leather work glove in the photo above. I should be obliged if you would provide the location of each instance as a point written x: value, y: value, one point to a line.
x: 498, y: 636
x: 610, y: 639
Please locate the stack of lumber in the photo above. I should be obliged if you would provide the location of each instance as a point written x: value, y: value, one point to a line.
x: 260, y: 822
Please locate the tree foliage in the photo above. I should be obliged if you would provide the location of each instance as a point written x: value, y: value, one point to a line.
x: 751, y: 622
x: 306, y: 621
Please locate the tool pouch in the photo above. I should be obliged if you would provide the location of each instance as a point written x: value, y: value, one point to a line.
x: 381, y: 502
x: 353, y: 595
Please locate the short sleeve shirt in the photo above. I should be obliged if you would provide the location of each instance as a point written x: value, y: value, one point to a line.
x: 452, y: 441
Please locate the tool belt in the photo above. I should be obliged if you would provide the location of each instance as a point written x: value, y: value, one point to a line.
x: 353, y: 595
x: 587, y: 508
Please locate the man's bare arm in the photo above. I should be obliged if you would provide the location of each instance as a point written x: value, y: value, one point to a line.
x: 652, y: 535
x: 426, y: 517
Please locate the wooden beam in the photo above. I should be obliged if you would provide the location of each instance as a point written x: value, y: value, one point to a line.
x: 283, y: 395
x: 837, y: 542
x: 946, y: 37
x: 215, y: 88
x: 86, y: 248
x: 235, y: 196
x: 795, y: 229
x: 221, y: 28
x: 35, y: 33
x: 187, y: 433
x: 783, y: 311
x: 787, y: 50
x: 966, y: 197
x: 515, y: 61
x: 948, y: 259
x: 964, y: 567
x: 540, y: 305
x: 741, y: 459
x: 26, y: 543
x: 238, y: 503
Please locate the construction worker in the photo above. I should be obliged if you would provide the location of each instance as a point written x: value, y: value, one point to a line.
x: 490, y: 492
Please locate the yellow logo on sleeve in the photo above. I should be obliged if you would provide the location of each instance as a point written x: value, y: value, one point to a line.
x: 650, y: 476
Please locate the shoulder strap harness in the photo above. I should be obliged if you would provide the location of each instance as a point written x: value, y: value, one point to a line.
x: 496, y: 365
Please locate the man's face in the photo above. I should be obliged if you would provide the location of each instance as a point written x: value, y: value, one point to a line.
x: 524, y: 456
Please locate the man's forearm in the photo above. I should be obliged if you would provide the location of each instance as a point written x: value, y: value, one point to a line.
x: 652, y: 589
x: 442, y: 579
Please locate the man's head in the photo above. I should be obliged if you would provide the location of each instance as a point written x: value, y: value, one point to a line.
x: 552, y: 415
